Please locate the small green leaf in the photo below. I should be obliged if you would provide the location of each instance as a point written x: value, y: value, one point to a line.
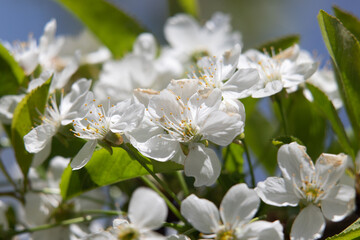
x: 344, y: 50
x: 104, y: 169
x: 279, y: 141
x: 183, y: 6
x: 350, y: 233
x: 322, y: 102
x: 12, y: 75
x: 114, y: 28
x: 351, y: 22
x: 25, y: 115
x: 279, y: 44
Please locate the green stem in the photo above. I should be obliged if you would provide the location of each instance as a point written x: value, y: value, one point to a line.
x: 168, y: 202
x: 104, y: 212
x: 282, y: 113
x: 183, y: 183
x: 249, y: 163
x: 143, y: 161
x: 52, y: 225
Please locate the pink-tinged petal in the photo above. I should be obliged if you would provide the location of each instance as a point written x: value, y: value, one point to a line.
x: 201, y: 213
x: 239, y: 205
x: 294, y: 162
x: 240, y: 85
x: 147, y: 210
x: 339, y: 203
x: 182, y: 31
x: 330, y: 168
x: 309, y: 224
x: 269, y: 89
x: 263, y: 230
x: 277, y: 192
x: 202, y: 164
x: 38, y: 137
x: 84, y: 155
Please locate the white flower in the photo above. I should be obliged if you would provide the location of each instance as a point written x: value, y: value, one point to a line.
x: 220, y: 72
x: 38, y: 140
x: 189, y: 39
x: 182, y: 120
x: 29, y: 54
x: 277, y: 72
x: 147, y: 211
x: 233, y: 221
x: 100, y: 124
x: 139, y: 69
x: 315, y: 187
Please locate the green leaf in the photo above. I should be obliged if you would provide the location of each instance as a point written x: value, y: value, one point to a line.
x: 306, y: 123
x: 351, y: 22
x: 104, y: 169
x: 322, y: 102
x: 25, y: 115
x: 350, y: 233
x: 279, y: 44
x: 113, y: 27
x: 12, y: 75
x: 185, y: 6
x: 233, y: 158
x: 344, y: 50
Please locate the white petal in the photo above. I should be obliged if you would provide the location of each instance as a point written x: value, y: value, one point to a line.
x: 263, y: 230
x: 41, y: 156
x: 330, y: 168
x: 147, y: 209
x: 8, y: 104
x: 201, y: 213
x: 339, y: 203
x: 221, y: 128
x: 158, y: 148
x: 294, y: 162
x: 145, y: 45
x: 84, y: 155
x: 239, y: 204
x: 241, y: 83
x: 202, y: 164
x: 128, y: 118
x: 274, y: 191
x: 181, y: 31
x: 184, y: 88
x: 308, y: 225
x: 38, y: 137
x: 270, y: 88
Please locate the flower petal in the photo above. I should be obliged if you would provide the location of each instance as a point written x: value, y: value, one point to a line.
x: 294, y: 162
x: 147, y: 210
x: 41, y: 156
x: 239, y: 205
x: 263, y: 230
x: 38, y: 137
x: 338, y: 203
x: 201, y: 213
x: 241, y: 83
x: 330, y: 168
x: 84, y: 155
x: 309, y: 224
x: 202, y: 164
x: 269, y: 89
x: 277, y: 192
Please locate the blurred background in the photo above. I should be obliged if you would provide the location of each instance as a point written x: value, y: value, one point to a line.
x: 257, y: 20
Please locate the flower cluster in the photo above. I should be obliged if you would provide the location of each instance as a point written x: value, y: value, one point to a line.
x: 179, y: 107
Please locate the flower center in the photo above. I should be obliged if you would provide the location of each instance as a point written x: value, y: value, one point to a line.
x: 127, y: 233
x: 311, y: 191
x: 225, y: 234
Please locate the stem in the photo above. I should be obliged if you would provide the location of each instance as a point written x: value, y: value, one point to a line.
x: 105, y: 212
x: 183, y: 183
x: 249, y: 163
x: 52, y: 225
x: 168, y: 202
x: 7, y: 175
x: 282, y: 113
x: 142, y: 161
